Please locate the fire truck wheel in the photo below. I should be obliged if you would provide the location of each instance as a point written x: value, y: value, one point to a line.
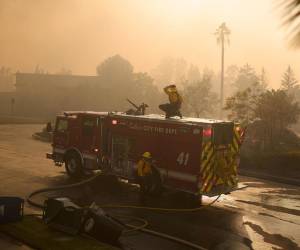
x: 73, y: 165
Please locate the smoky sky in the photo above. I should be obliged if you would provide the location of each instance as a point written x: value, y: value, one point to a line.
x: 78, y: 34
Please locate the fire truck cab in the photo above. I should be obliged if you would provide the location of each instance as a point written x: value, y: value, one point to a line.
x: 194, y: 155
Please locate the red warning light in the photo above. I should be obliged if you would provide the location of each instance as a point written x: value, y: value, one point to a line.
x: 207, y: 132
x: 114, y: 122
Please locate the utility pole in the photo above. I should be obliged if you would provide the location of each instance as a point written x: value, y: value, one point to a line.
x: 222, y: 33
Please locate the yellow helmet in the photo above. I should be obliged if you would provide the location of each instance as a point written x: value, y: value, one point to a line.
x: 172, y: 88
x: 147, y: 155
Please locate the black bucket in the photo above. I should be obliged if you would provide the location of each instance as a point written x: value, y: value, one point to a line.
x: 11, y: 209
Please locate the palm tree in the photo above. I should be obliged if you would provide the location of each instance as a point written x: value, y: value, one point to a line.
x: 222, y: 33
x: 291, y: 18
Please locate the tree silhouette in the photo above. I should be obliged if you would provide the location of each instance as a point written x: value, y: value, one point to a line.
x: 246, y: 78
x: 199, y: 100
x: 222, y: 34
x: 193, y: 74
x: 263, y: 78
x: 288, y: 82
x: 277, y: 111
x: 115, y: 69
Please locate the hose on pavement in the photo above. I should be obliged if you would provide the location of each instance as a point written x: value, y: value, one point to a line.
x: 144, y: 224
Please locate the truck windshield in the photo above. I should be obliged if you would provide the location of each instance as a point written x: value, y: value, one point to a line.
x: 62, y: 125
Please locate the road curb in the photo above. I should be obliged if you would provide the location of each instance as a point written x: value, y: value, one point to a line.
x: 264, y: 176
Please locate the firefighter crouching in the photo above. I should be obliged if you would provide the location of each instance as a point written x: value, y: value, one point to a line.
x: 144, y: 171
x: 175, y: 99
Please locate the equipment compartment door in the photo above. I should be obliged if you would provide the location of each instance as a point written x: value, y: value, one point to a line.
x: 182, y: 156
x: 122, y: 163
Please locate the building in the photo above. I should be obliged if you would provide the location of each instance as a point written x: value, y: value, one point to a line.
x: 45, y: 95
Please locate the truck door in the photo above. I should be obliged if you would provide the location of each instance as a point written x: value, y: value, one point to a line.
x: 61, y: 134
x: 90, y: 134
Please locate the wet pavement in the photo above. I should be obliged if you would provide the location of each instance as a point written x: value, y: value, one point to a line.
x: 265, y: 215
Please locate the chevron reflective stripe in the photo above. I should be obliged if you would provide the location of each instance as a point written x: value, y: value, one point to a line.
x: 236, y: 141
x: 207, y: 153
x: 206, y: 171
x: 232, y: 180
x: 206, y: 165
x: 212, y: 180
x: 217, y: 169
x: 206, y: 147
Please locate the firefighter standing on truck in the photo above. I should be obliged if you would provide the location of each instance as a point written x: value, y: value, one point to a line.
x: 144, y: 171
x: 172, y: 108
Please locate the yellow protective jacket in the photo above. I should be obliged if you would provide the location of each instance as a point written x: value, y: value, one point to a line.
x: 143, y: 168
x: 174, y: 96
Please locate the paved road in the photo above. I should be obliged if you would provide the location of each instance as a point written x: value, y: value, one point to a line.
x: 263, y: 216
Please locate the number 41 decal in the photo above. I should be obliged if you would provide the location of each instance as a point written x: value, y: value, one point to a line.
x: 183, y: 158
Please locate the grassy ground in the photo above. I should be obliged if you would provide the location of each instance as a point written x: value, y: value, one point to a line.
x: 33, y: 232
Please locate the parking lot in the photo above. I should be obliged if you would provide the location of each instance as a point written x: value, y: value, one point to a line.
x: 265, y: 215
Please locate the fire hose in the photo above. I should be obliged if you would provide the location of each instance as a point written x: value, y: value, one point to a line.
x: 141, y: 228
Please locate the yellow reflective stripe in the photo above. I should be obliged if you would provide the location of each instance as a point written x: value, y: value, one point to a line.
x: 208, y: 168
x: 211, y: 183
x: 207, y: 162
x: 207, y: 180
x: 206, y: 149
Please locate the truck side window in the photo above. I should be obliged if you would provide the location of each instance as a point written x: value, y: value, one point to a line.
x: 62, y: 126
x: 88, y: 127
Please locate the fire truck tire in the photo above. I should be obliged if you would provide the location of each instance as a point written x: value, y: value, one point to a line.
x: 73, y: 165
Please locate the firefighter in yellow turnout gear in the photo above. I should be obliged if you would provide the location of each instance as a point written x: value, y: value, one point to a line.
x: 175, y: 99
x: 144, y: 171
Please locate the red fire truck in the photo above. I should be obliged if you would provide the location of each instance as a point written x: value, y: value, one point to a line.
x: 198, y: 156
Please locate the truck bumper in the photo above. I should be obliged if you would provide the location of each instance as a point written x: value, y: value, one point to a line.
x: 49, y: 156
x: 57, y: 158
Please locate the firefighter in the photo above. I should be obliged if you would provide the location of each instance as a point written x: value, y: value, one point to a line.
x: 144, y: 171
x: 175, y: 99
